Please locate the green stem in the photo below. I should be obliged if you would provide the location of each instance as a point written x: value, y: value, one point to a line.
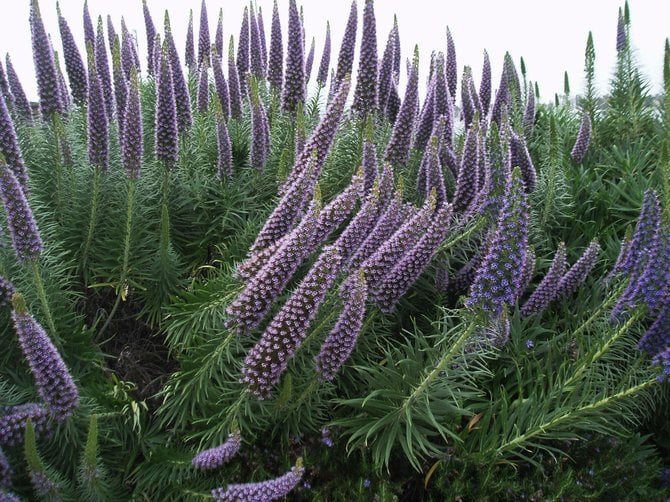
x: 95, y: 195
x: 459, y: 237
x: 55, y: 129
x: 165, y: 217
x: 42, y: 296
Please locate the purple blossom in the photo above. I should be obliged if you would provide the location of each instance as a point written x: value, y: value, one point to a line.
x: 243, y: 54
x: 468, y: 173
x: 324, y: 65
x: 233, y: 83
x: 189, y: 50
x: 9, y: 147
x: 360, y: 225
x: 260, y: 137
x: 111, y: 32
x: 132, y: 144
x: 203, y: 88
x: 621, y: 37
x: 129, y: 57
x: 529, y: 114
x: 271, y: 489
x: 20, y: 99
x: 662, y: 359
x: 97, y: 120
x: 62, y: 86
x: 221, y: 85
x: 293, y: 91
x: 5, y: 472
x: 366, y: 483
x: 646, y: 231
x: 218, y: 37
x: 26, y: 239
x: 451, y: 68
x: 276, y: 61
x: 6, y: 291
x: 44, y: 487
x: 396, y: 48
x: 547, y: 291
x: 345, y: 60
x: 340, y: 342
x: 578, y: 272
x: 213, y: 458
x: 203, y: 36
x: 13, y: 422
x: 166, y: 130
x: 74, y: 64
x: 309, y: 61
x: 426, y: 119
x: 268, y: 359
x: 386, y: 71
x: 254, y: 302
x: 225, y: 152
x: 180, y: 89
x: 501, y: 102
x: 521, y: 157
x: 442, y: 101
x: 261, y: 38
x: 657, y: 336
x: 45, y: 66
x: 652, y: 287
x: 497, y: 282
x: 102, y: 69
x: 89, y: 30
x: 255, y: 53
x: 150, y: 29
x: 4, y: 88
x: 408, y: 269
x: 468, y: 106
x: 120, y: 84
x: 397, y: 150
x: 252, y: 265
x: 52, y: 378
x: 583, y: 139
x: 365, y: 94
x: 393, y: 105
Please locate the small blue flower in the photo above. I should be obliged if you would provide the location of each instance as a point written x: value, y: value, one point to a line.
x: 366, y: 483
x: 530, y: 344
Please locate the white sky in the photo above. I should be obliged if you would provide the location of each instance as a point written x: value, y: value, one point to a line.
x: 550, y: 36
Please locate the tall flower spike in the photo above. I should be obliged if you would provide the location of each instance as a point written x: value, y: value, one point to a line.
x: 309, y: 61
x: 253, y: 303
x: 218, y: 37
x: 167, y: 133
x: 52, y: 378
x: 369, y: 160
x: 203, y: 88
x: 5, y: 472
x: 260, y: 141
x: 521, y: 157
x: 89, y: 30
x: 646, y: 230
x: 181, y: 95
x: 501, y: 102
x: 220, y: 84
x: 340, y: 342
x: 497, y: 281
x: 360, y: 225
x: 129, y: 57
x: 386, y: 73
x: 243, y: 54
x: 26, y: 239
x: 451, y: 68
x: 546, y: 292
x: 652, y: 287
x: 443, y: 102
x: 132, y: 144
x: 276, y: 62
x: 577, y: 274
x: 97, y: 120
x: 74, y: 64
x: 111, y: 32
x: 13, y: 422
x: 255, y: 55
x: 345, y: 60
x: 214, y: 458
x: 657, y: 336
x: 527, y: 272
x: 150, y: 30
x: 396, y: 48
x: 62, y: 86
x: 233, y: 83
x: 583, y: 139
x: 293, y: 91
x: 324, y: 65
x: 45, y: 66
x: 468, y: 173
x: 365, y: 94
x: 6, y: 291
x: 20, y: 99
x: 225, y: 152
x: 426, y: 118
x: 435, y: 172
x: 529, y: 114
x: 102, y: 68
x: 268, y: 359
x: 9, y: 147
x: 272, y: 489
x: 467, y: 103
x: 405, y: 273
x: 189, y: 50
x: 5, y: 91
x: 261, y: 38
x: 620, y: 33
x: 397, y: 150
x: 120, y: 84
x: 203, y: 37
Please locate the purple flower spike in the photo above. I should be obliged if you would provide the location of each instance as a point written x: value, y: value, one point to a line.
x: 386, y: 72
x: 97, y: 121
x: 276, y: 62
x: 129, y: 57
x: 74, y: 64
x: 497, y: 282
x: 652, y: 288
x: 546, y: 292
x: 646, y: 231
x: 583, y: 139
x: 203, y: 37
x: 293, y: 91
x: 102, y: 68
x: 269, y: 358
x: 577, y: 274
x: 365, y: 95
x: 52, y: 378
x: 132, y: 144
x: 338, y: 210
x: 203, y: 88
x: 309, y: 62
x: 189, y: 50
x: 527, y: 272
x: 260, y: 140
x: 529, y: 114
x: 405, y: 273
x: 324, y: 65
x: 485, y: 85
x: 13, y: 422
x: 451, y: 68
x: 621, y: 37
x: 254, y: 302
x: 120, y: 84
x: 345, y: 60
x: 218, y: 37
x: 89, y: 30
x: 6, y: 291
x: 443, y: 102
x: 150, y: 29
x: 26, y: 239
x: 521, y: 158
x: 181, y: 95
x: 397, y: 150
x: 468, y: 173
x: 111, y: 32
x: 272, y: 489
x: 5, y: 472
x: 657, y: 337
x: 221, y: 85
x: 340, y: 342
x: 501, y: 102
x: 45, y: 66
x: 225, y: 151
x: 62, y: 86
x: 167, y: 133
x: 255, y: 53
x: 243, y: 54
x: 468, y: 106
x: 396, y: 48
x: 369, y: 161
x: 360, y: 225
x: 9, y: 147
x: 261, y: 38
x: 426, y: 119
x: 20, y: 99
x: 5, y: 91
x: 214, y: 458
x: 435, y: 173
x: 233, y: 83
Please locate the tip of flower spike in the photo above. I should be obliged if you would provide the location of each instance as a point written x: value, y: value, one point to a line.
x: 19, y: 304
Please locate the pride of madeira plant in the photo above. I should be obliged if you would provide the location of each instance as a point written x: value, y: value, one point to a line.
x: 220, y: 282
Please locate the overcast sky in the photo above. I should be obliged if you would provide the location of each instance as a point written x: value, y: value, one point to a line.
x: 549, y: 35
